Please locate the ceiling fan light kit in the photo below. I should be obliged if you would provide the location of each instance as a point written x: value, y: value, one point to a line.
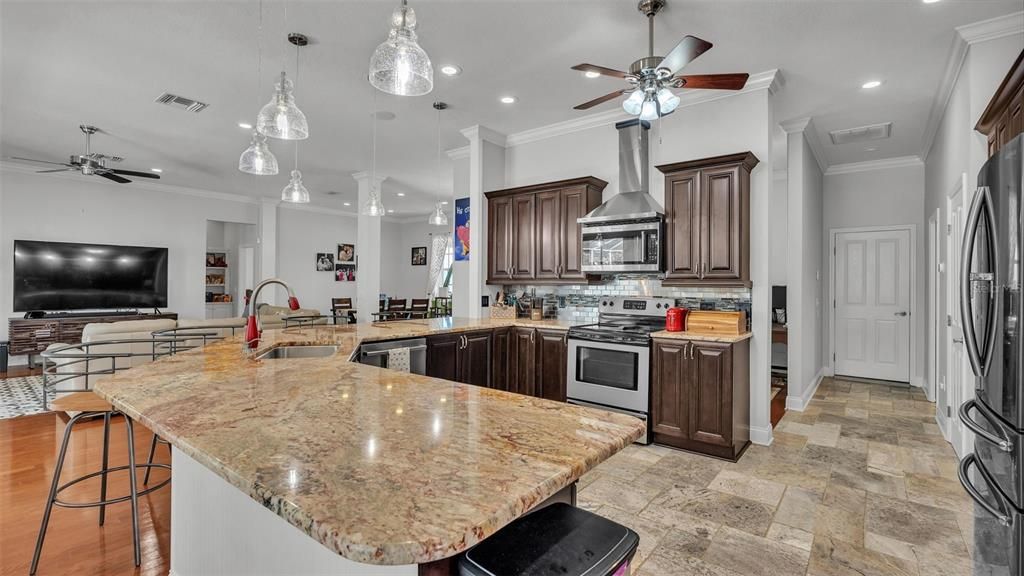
x: 399, y: 65
x: 92, y: 163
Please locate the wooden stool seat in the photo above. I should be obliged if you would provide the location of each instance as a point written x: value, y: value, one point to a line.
x: 81, y: 402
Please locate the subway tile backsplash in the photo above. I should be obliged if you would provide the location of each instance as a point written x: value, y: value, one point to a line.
x: 579, y: 303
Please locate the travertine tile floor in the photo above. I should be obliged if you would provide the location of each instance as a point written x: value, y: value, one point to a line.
x: 861, y: 483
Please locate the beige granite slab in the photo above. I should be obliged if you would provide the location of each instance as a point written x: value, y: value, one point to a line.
x: 379, y: 466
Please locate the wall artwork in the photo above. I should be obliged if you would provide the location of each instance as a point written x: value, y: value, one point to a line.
x: 346, y: 254
x: 344, y: 273
x: 462, y: 229
x: 419, y: 256
x: 324, y: 262
x: 345, y: 263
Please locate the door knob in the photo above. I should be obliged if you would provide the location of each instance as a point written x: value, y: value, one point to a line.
x: 901, y: 314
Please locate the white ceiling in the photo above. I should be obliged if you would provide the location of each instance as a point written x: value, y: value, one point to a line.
x: 66, y: 63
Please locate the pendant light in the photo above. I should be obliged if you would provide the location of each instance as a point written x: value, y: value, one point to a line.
x: 374, y: 206
x: 257, y: 158
x: 438, y: 217
x: 399, y: 66
x: 295, y: 192
x: 281, y: 118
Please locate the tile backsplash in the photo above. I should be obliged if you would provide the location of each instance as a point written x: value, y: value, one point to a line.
x: 579, y: 303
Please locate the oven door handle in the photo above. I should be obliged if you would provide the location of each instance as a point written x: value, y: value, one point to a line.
x: 965, y: 480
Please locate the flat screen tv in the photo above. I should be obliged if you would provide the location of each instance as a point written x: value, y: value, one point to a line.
x: 66, y: 276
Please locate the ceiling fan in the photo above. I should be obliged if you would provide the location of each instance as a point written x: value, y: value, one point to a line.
x: 92, y: 163
x: 651, y: 77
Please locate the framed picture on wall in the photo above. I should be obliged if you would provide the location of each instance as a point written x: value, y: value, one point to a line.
x: 419, y: 256
x: 346, y: 254
x: 344, y: 273
x: 324, y: 262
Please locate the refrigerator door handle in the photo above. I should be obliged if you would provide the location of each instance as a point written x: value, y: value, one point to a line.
x: 1004, y: 444
x: 982, y: 198
x: 965, y: 480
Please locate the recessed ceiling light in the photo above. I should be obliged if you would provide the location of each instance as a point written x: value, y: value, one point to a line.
x: 157, y: 170
x: 870, y: 149
x: 871, y: 84
x: 508, y: 99
x: 401, y: 193
x: 346, y: 203
x: 390, y: 211
x: 929, y: 1
x: 445, y: 202
x: 592, y: 74
x: 451, y: 70
x: 245, y: 125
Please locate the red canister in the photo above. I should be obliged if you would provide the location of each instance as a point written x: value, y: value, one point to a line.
x: 675, y: 319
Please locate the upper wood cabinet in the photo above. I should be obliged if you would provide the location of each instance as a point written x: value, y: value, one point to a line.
x: 707, y: 213
x: 532, y: 233
x: 1003, y: 119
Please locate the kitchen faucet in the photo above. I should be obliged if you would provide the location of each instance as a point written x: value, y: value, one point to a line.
x: 253, y: 327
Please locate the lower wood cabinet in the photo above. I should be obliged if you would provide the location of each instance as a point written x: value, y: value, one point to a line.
x: 551, y: 353
x: 501, y: 348
x: 523, y: 361
x: 700, y: 396
x: 462, y: 357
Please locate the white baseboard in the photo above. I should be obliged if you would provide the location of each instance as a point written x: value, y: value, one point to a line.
x: 799, y: 403
x: 761, y: 435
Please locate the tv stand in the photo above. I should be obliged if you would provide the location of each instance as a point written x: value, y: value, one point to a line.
x: 45, y: 315
x: 32, y: 335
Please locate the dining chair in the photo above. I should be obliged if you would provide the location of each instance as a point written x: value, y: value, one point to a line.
x: 396, y: 306
x: 343, y: 307
x: 419, y: 308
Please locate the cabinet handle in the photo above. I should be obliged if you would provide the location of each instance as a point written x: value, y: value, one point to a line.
x: 692, y: 345
x: 533, y: 337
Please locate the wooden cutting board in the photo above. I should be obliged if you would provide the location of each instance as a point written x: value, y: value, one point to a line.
x: 720, y: 322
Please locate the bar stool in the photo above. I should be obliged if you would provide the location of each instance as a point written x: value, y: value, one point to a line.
x: 88, y: 405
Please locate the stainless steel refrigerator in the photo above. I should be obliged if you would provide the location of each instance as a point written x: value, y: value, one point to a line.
x: 990, y: 301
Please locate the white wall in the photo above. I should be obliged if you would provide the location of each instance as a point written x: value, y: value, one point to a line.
x: 779, y: 224
x: 399, y: 278
x: 886, y: 197
x: 78, y: 209
x: 301, y: 233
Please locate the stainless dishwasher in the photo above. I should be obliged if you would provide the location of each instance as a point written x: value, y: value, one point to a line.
x: 376, y: 353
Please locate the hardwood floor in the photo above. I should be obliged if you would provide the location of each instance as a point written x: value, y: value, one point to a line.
x: 75, y: 543
x: 20, y: 371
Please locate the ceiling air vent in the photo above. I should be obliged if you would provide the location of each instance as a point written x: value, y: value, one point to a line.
x: 861, y: 133
x: 181, y: 102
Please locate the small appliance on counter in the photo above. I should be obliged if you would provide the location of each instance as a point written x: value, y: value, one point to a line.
x: 675, y: 319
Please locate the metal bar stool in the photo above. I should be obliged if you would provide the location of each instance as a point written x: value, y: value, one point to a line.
x: 88, y: 405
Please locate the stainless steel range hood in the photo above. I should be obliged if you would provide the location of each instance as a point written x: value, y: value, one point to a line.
x: 633, y: 202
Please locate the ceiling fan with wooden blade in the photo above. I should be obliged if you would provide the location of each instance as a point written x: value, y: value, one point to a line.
x: 91, y: 163
x: 651, y: 78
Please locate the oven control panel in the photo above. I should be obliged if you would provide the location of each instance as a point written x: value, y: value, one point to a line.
x: 634, y: 305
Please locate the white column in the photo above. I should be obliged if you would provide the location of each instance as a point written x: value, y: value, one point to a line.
x: 267, y: 240
x: 367, y: 250
x: 486, y: 173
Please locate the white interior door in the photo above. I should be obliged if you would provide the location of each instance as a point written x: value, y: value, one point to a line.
x: 872, y: 304
x: 959, y: 382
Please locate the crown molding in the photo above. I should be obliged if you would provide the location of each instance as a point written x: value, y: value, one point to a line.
x: 805, y: 126
x: 794, y: 126
x: 485, y: 134
x: 770, y: 80
x: 459, y: 153
x: 317, y: 210
x: 870, y: 165
x: 365, y: 176
x: 965, y: 36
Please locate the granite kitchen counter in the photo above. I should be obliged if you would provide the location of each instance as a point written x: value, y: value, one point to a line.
x: 381, y: 467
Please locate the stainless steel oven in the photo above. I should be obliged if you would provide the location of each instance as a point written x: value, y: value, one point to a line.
x: 608, y: 374
x: 623, y: 247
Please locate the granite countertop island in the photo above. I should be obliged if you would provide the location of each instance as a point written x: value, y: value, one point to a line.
x: 380, y: 467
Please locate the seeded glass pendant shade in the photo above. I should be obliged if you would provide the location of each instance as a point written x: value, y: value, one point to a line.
x: 399, y: 66
x: 438, y: 217
x: 257, y: 158
x: 295, y: 192
x: 373, y: 206
x: 281, y: 118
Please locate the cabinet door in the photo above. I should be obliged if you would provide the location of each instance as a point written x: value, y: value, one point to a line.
x: 548, y: 246
x: 551, y: 357
x: 721, y: 232
x: 442, y: 356
x: 499, y: 239
x: 574, y: 205
x: 523, y: 236
x: 710, y: 394
x: 682, y: 207
x: 522, y: 362
x: 669, y: 403
x: 500, y: 352
x: 475, y: 359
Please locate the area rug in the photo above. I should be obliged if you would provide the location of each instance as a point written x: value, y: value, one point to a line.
x: 21, y: 396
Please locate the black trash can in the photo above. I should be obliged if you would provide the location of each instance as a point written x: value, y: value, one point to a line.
x: 4, y: 347
x: 558, y: 540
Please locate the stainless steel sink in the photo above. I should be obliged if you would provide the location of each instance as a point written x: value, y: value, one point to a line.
x: 298, y: 351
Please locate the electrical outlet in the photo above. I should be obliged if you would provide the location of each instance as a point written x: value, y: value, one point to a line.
x: 485, y: 301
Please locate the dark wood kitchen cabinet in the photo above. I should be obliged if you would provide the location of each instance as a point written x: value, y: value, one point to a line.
x: 501, y: 350
x: 707, y: 228
x: 551, y: 370
x: 700, y: 396
x: 533, y: 236
x: 1003, y: 118
x: 523, y: 361
x: 464, y: 357
x: 443, y: 356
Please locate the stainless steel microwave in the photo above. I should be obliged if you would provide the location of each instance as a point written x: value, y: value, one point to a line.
x: 623, y: 246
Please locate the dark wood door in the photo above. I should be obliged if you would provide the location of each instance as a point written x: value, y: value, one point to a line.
x: 500, y: 352
x: 475, y: 358
x: 710, y: 394
x: 574, y: 205
x: 551, y: 358
x: 443, y: 356
x: 670, y: 379
x: 499, y: 239
x: 523, y: 361
x: 523, y: 236
x: 720, y: 232
x: 548, y: 245
x: 683, y: 217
